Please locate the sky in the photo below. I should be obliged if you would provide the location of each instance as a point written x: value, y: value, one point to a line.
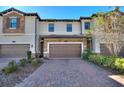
x: 62, y: 12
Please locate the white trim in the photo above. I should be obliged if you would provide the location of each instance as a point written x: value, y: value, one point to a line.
x: 13, y: 17
x: 48, y: 44
x: 65, y: 42
x: 12, y: 28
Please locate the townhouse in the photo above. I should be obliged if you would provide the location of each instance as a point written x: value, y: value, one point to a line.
x: 51, y: 38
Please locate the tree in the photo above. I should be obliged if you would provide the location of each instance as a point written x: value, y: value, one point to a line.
x: 109, y: 29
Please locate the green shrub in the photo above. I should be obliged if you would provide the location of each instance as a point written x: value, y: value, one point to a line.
x: 29, y: 55
x: 112, y: 62
x: 109, y: 61
x: 12, y: 66
x: 86, y: 54
x: 119, y: 63
x: 36, y: 61
x: 92, y: 58
x: 22, y: 62
x: 106, y: 61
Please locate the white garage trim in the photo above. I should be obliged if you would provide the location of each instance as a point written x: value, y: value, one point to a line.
x: 48, y: 44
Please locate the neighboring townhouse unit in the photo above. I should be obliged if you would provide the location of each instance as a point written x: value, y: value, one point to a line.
x: 101, y: 44
x: 51, y: 38
x: 17, y: 33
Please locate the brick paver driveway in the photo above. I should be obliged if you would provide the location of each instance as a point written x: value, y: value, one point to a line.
x: 69, y: 73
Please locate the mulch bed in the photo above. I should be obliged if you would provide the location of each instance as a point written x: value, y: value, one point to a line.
x: 16, y: 77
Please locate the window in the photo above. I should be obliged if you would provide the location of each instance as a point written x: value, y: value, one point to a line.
x: 13, y: 23
x: 51, y: 27
x: 87, y: 25
x: 69, y: 27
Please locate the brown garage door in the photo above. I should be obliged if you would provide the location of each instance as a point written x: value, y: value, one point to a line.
x: 13, y: 50
x: 122, y: 51
x: 65, y: 50
x: 105, y: 51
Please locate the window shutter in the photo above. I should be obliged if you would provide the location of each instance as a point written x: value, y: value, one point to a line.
x: 18, y: 22
x: 8, y: 23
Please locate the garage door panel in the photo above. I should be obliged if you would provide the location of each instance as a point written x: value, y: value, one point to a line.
x: 122, y: 52
x: 14, y: 50
x: 105, y: 51
x: 65, y: 50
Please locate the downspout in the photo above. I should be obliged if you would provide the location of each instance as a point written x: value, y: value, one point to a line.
x: 81, y: 25
x: 35, y: 34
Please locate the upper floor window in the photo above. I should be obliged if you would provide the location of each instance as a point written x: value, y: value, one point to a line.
x: 87, y: 25
x: 51, y: 28
x: 13, y: 22
x: 69, y: 27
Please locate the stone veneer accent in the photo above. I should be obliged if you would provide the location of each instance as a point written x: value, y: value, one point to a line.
x: 20, y: 23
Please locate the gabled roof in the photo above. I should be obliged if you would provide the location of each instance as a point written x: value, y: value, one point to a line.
x: 13, y: 9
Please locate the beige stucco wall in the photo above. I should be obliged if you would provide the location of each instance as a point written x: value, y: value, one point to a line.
x: 59, y: 28
x: 37, y: 37
x: 96, y: 45
x: 1, y: 26
x: 25, y: 38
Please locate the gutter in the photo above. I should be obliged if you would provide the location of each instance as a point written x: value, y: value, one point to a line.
x: 35, y: 32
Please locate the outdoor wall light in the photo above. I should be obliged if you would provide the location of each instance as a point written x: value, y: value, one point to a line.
x: 31, y: 45
x: 13, y: 41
